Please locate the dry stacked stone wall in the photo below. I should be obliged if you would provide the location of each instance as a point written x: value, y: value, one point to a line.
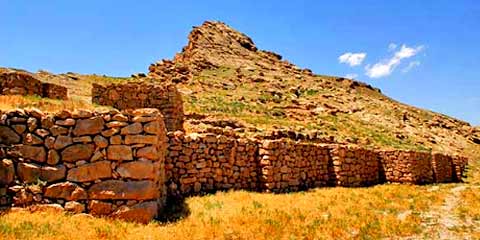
x: 459, y: 165
x: 406, y: 166
x: 133, y: 95
x: 24, y: 83
x: 106, y: 164
x: 353, y: 166
x: 442, y: 166
x: 288, y: 166
x: 197, y: 163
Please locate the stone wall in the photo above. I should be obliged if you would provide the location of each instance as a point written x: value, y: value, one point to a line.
x: 197, y: 163
x: 288, y: 166
x: 133, y: 95
x: 24, y: 83
x: 442, y: 166
x: 459, y: 165
x: 406, y: 166
x: 105, y: 164
x: 353, y: 166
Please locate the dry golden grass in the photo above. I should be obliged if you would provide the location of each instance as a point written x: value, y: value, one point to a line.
x: 8, y: 102
x: 329, y: 213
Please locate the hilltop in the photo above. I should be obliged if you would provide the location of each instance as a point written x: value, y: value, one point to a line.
x: 228, y: 84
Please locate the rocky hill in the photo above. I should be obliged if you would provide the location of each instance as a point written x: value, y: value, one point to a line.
x: 228, y: 84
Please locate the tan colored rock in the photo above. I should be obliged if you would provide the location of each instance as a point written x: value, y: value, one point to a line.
x: 8, y: 136
x: 99, y: 208
x: 33, y: 153
x: 141, y: 139
x: 62, y: 142
x: 65, y: 190
x: 7, y: 172
x: 77, y: 152
x: 152, y: 127
x: 137, y: 170
x: 74, y: 207
x: 46, y: 208
x: 57, y: 130
x: 52, y: 174
x: 66, y: 122
x: 116, y: 189
x: 148, y: 153
x: 90, y: 172
x: 28, y: 172
x: 134, y: 128
x: 142, y: 212
x: 119, y: 153
x: 53, y: 157
x: 100, y: 141
x: 88, y: 126
x: 116, y: 140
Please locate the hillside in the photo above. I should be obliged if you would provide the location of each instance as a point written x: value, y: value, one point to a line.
x: 228, y: 84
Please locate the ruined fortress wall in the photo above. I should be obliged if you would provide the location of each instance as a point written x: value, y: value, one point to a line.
x: 133, y: 95
x: 442, y: 166
x: 199, y: 163
x: 459, y: 165
x: 353, y: 166
x: 288, y: 166
x: 24, y: 83
x: 406, y: 166
x: 105, y: 164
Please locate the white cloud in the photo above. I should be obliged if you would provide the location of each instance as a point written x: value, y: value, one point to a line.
x: 351, y: 76
x: 352, y: 59
x: 411, y: 66
x: 386, y: 66
x: 392, y: 46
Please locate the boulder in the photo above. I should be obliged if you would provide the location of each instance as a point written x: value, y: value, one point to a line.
x: 134, y: 128
x: 119, y: 153
x: 99, y: 208
x: 148, y: 153
x: 116, y: 189
x: 65, y: 190
x: 89, y: 126
x: 90, y: 172
x: 8, y: 136
x: 142, y: 212
x: 77, y: 152
x: 7, y: 172
x: 38, y: 154
x: 74, y: 207
x: 28, y: 172
x: 137, y: 170
x: 62, y: 142
x: 52, y: 174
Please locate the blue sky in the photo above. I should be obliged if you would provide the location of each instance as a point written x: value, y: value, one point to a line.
x: 437, y: 39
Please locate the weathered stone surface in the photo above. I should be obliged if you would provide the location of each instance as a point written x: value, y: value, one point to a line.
x: 134, y: 128
x: 88, y: 126
x: 28, y: 172
x: 33, y: 153
x: 99, y: 208
x: 8, y: 136
x: 152, y: 127
x: 142, y: 212
x: 100, y: 141
x: 7, y: 172
x: 139, y: 139
x: 116, y: 189
x: 137, y: 170
x: 52, y: 174
x: 53, y: 157
x: 57, y: 130
x: 148, y: 153
x: 90, y: 172
x: 32, y: 139
x: 65, y: 190
x: 62, y: 142
x: 74, y: 207
x: 77, y: 152
x: 119, y: 153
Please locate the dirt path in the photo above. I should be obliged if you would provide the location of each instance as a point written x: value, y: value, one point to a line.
x: 441, y: 222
